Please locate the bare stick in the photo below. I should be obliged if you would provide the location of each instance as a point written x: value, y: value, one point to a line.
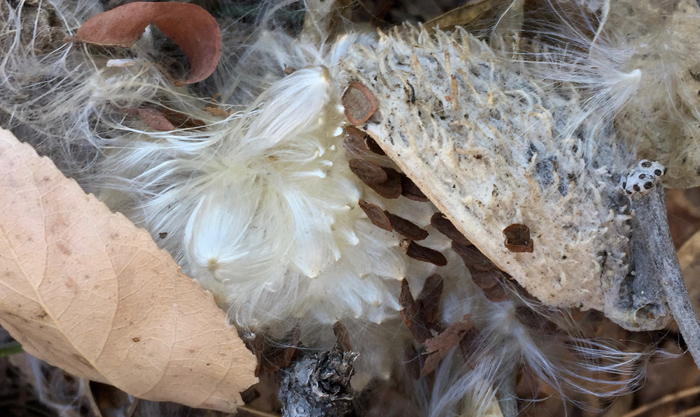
x: 643, y: 186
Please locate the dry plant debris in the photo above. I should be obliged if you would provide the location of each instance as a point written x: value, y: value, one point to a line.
x: 188, y: 25
x: 86, y: 290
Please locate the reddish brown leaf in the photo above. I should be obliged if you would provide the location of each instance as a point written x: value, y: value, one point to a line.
x: 444, y: 226
x: 518, y: 238
x: 406, y: 227
x: 188, y: 25
x: 360, y: 104
x: 368, y: 172
x: 421, y: 253
x: 376, y: 215
x: 152, y: 118
x: 391, y: 188
x: 439, y: 346
x: 410, y: 190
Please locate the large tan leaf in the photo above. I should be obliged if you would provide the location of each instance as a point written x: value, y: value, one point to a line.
x: 86, y: 290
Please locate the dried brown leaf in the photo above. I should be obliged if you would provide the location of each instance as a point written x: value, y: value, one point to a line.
x: 86, y: 290
x: 439, y: 346
x: 188, y: 25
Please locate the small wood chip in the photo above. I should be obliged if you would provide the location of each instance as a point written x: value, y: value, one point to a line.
x: 342, y: 337
x: 354, y: 141
x: 406, y: 228
x: 410, y: 190
x: 473, y: 258
x: 439, y: 346
x: 444, y: 226
x: 391, y: 188
x: 374, y: 146
x: 360, y: 104
x: 518, y: 238
x: 368, y: 172
x: 421, y: 253
x: 429, y: 298
x: 376, y: 215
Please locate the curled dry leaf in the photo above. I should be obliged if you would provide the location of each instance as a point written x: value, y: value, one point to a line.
x: 86, y: 290
x: 188, y: 25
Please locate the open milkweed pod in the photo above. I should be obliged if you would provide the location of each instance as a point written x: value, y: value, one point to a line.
x: 491, y: 146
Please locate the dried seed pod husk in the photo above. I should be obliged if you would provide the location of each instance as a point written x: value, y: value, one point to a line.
x: 489, y: 158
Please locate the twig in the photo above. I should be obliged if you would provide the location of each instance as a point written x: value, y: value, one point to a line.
x: 646, y: 194
x: 689, y: 392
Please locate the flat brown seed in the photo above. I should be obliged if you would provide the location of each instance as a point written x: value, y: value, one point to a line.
x: 444, y: 226
x: 486, y: 279
x: 376, y: 215
x: 412, y: 315
x: 429, y: 297
x: 473, y: 258
x: 406, y: 228
x: 360, y: 104
x: 374, y: 146
x: 391, y: 188
x: 410, y: 190
x: 368, y: 172
x: 517, y: 238
x: 342, y: 337
x: 421, y: 253
x: 496, y: 294
x: 354, y: 141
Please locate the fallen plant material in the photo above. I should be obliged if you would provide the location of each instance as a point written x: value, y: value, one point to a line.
x: 420, y: 315
x: 517, y: 238
x: 406, y: 228
x: 273, y: 355
x: 391, y: 188
x: 439, y: 346
x: 360, y: 104
x: 191, y: 27
x: 87, y: 291
x: 376, y: 215
x: 152, y: 118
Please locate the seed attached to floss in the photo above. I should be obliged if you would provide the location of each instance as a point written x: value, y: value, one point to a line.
x: 406, y: 228
x: 360, y: 104
x: 518, y: 238
x: 391, y: 188
x: 421, y: 253
x: 354, y: 141
x: 411, y: 191
x: 444, y: 226
x: 368, y: 172
x: 376, y: 215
